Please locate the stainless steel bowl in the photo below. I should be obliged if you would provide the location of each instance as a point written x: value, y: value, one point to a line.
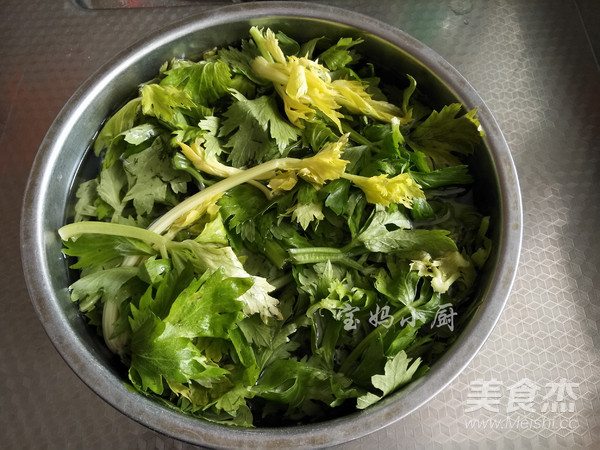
x: 62, y: 153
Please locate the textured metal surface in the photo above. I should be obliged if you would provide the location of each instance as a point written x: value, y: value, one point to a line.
x: 125, y: 4
x: 533, y: 63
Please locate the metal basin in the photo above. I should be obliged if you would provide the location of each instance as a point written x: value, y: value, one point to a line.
x: 61, y: 157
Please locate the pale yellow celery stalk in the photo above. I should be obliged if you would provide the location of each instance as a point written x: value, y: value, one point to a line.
x: 188, y: 219
x: 201, y: 161
x: 295, y: 110
x: 110, y: 315
x: 324, y: 166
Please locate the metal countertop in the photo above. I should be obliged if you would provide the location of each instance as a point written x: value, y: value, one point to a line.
x: 535, y: 383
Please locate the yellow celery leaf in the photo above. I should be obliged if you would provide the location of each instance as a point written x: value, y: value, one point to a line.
x: 304, y: 85
x: 314, y: 67
x: 208, y: 206
x: 383, y: 190
x: 295, y: 110
x: 320, y: 91
x: 325, y: 165
x: 272, y: 46
x: 283, y: 181
x: 297, y: 85
x: 352, y: 95
x: 443, y: 271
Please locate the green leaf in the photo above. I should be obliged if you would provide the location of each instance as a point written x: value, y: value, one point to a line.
x: 155, y: 357
x: 241, y: 204
x: 386, y: 232
x: 326, y: 333
x: 398, y: 283
x: 270, y: 341
x: 444, y: 134
x: 240, y: 60
x: 186, y: 134
x: 103, y: 284
x: 339, y: 55
x: 102, y: 251
x: 381, y: 222
x: 111, y: 187
x: 249, y: 125
x: 162, y: 102
x: 140, y: 134
x: 294, y: 382
x: 153, y: 178
x: 406, y: 337
x: 234, y: 403
x: 119, y: 122
x: 434, y: 241
x: 289, y: 46
x: 207, y: 307
x: 213, y: 257
x: 242, y: 347
x: 337, y: 195
x: 453, y: 175
x: 397, y: 373
x: 165, y: 284
x: 308, y: 209
x: 205, y: 81
x: 317, y: 134
x: 86, y: 194
x: 211, y: 143
x: 407, y: 94
x: 372, y: 361
x: 247, y: 140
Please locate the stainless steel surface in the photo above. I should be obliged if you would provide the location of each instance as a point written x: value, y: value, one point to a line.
x: 124, y: 4
x: 531, y: 61
x: 59, y: 159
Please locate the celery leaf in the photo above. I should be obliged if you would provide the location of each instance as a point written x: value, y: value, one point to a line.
x: 397, y: 374
x: 207, y: 307
x: 445, y: 134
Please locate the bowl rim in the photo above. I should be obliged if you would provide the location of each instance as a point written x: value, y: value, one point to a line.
x: 92, y: 371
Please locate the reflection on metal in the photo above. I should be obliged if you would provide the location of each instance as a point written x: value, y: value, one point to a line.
x: 129, y: 4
